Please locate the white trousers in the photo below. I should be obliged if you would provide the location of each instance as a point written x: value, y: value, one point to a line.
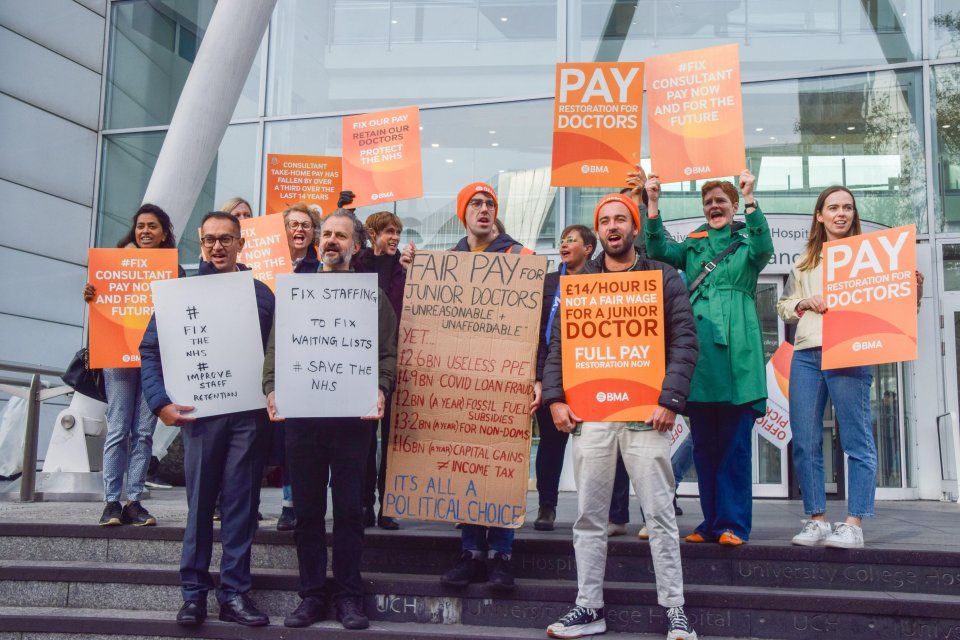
x: 646, y: 455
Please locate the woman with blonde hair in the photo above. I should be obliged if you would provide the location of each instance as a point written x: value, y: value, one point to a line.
x: 238, y: 208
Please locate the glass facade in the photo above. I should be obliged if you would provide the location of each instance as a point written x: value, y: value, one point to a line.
x: 864, y: 93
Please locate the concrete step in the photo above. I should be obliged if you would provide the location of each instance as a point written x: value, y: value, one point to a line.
x: 536, y: 556
x: 55, y: 623
x: 734, y: 611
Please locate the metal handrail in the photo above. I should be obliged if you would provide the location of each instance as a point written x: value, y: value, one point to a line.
x: 34, y: 394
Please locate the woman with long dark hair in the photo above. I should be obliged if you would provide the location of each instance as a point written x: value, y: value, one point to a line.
x: 130, y: 423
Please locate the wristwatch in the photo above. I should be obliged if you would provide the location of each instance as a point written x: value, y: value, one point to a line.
x: 752, y: 205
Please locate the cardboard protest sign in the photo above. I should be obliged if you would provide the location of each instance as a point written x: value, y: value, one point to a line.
x: 870, y: 290
x: 311, y: 179
x: 121, y: 309
x: 596, y: 123
x: 210, y: 343
x: 327, y: 348
x: 381, y: 156
x: 614, y: 357
x: 774, y: 425
x: 460, y: 442
x: 265, y: 248
x: 695, y: 114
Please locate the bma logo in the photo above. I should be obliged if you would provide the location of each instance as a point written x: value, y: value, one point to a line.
x: 593, y: 168
x: 692, y: 171
x: 612, y: 396
x: 865, y: 345
x: 377, y: 196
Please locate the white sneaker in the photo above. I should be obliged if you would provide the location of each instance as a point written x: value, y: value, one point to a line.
x: 616, y: 529
x: 814, y: 532
x: 643, y: 534
x: 845, y: 536
x: 579, y: 622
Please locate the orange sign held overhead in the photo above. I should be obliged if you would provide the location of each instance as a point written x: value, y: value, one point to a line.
x: 596, y: 123
x: 311, y: 179
x: 870, y: 287
x: 381, y: 156
x: 695, y: 114
x: 614, y: 357
x: 123, y: 304
x: 265, y: 248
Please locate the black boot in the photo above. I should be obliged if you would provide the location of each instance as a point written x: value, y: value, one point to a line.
x: 545, y: 518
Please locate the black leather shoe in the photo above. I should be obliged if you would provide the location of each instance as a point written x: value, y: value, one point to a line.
x: 545, y: 518
x: 388, y: 523
x: 350, y: 614
x: 193, y: 612
x: 369, y: 517
x: 467, y: 570
x: 500, y: 572
x: 309, y: 611
x: 287, y: 521
x: 677, y: 511
x: 240, y: 609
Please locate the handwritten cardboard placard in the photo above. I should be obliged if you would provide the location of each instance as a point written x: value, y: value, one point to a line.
x: 774, y: 425
x: 123, y: 304
x: 695, y: 114
x: 210, y: 343
x: 614, y: 357
x: 265, y: 248
x: 460, y: 442
x: 327, y: 345
x: 596, y: 123
x: 381, y: 156
x: 870, y: 288
x: 311, y: 179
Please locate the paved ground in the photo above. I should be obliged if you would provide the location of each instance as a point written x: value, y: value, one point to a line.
x: 905, y: 525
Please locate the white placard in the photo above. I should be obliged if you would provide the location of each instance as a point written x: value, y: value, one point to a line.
x: 678, y: 434
x: 210, y: 343
x: 327, y: 352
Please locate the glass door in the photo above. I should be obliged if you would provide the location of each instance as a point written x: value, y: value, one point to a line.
x: 948, y: 424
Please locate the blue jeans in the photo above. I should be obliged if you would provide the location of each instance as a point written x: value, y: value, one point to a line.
x: 130, y: 425
x: 478, y: 539
x: 850, y: 391
x: 723, y: 455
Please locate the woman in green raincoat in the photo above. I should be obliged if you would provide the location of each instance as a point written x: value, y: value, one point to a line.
x: 722, y: 260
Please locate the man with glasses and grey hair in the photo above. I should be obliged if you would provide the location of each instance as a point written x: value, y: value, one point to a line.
x: 220, y: 456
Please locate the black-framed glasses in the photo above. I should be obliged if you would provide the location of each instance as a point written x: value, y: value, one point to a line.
x: 226, y: 241
x: 293, y: 225
x: 477, y: 203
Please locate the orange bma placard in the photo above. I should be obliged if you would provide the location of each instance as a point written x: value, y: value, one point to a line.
x: 695, y: 114
x: 612, y: 332
x: 265, y: 248
x: 596, y: 123
x: 123, y: 303
x: 870, y: 288
x: 311, y: 179
x: 381, y: 156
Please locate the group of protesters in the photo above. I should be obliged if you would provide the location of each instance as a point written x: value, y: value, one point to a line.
x: 714, y: 374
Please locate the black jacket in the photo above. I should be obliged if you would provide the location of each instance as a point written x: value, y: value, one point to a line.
x: 680, y: 339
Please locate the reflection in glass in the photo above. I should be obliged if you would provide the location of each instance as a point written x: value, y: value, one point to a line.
x: 951, y: 267
x: 338, y: 55
x: 885, y: 410
x: 504, y: 145
x: 768, y: 455
x: 945, y: 29
x: 946, y: 125
x: 128, y: 162
x: 153, y: 44
x: 777, y: 37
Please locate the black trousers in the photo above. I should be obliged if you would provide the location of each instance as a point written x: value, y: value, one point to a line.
x: 553, y: 442
x: 335, y: 450
x: 376, y: 477
x: 220, y: 454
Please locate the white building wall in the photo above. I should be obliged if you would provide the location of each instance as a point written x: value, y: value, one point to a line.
x: 51, y: 65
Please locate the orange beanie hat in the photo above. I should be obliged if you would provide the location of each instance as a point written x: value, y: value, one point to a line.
x: 622, y: 199
x: 468, y: 192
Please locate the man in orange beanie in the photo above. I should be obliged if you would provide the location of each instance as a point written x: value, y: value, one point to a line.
x: 477, y: 210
